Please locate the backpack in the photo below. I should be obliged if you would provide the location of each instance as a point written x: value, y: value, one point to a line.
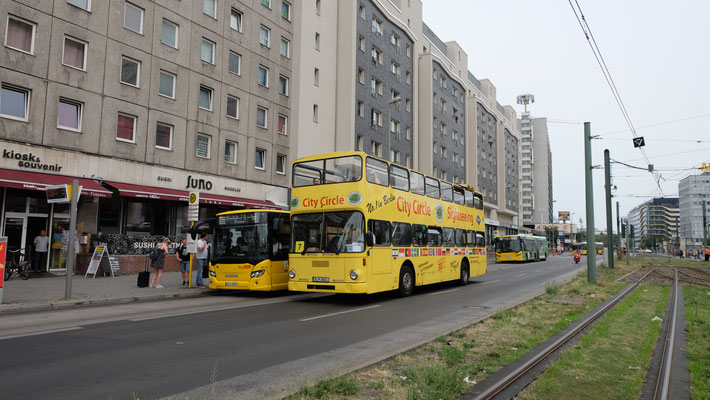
x: 155, y: 253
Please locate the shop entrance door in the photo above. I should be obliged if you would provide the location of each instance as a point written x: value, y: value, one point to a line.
x: 21, y: 230
x: 58, y: 243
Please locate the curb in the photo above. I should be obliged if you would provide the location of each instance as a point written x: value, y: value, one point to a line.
x: 64, y: 304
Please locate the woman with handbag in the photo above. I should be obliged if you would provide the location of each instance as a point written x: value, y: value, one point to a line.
x: 159, y: 262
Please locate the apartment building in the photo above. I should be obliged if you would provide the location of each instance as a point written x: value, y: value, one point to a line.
x: 655, y: 221
x: 693, y: 194
x: 536, y: 176
x: 143, y: 101
x: 385, y: 83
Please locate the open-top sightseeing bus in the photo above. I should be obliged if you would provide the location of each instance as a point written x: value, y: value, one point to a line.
x: 521, y: 248
x: 598, y: 245
x: 250, y: 250
x: 363, y: 225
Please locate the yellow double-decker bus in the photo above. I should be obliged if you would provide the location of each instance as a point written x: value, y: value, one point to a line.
x: 363, y: 225
x: 250, y: 250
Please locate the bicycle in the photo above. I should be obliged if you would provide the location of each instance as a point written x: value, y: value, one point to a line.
x: 22, y: 268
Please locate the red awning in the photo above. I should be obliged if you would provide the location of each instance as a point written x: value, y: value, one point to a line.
x: 149, y: 192
x: 206, y: 198
x: 38, y: 181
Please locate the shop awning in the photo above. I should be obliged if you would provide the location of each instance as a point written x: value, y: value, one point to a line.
x: 149, y: 192
x: 38, y: 181
x: 206, y: 198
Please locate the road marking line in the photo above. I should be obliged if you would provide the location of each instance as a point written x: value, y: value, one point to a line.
x: 73, y: 328
x: 177, y: 314
x: 485, y: 283
x: 539, y: 270
x: 519, y: 275
x: 339, y: 313
x: 445, y: 291
x: 551, y: 268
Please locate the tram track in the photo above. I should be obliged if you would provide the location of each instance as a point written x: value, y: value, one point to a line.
x: 512, y: 379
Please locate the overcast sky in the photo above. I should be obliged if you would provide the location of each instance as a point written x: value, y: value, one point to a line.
x: 659, y: 58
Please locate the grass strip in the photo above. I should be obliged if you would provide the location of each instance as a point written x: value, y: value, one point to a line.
x: 697, y: 315
x: 611, y: 360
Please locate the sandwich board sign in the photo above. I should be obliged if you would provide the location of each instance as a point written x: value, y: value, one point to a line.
x: 99, y: 257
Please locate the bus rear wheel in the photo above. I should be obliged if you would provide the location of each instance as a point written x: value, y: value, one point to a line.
x: 465, y: 273
x: 406, y: 281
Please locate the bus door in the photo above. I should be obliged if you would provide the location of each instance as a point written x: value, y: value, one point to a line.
x: 380, y: 253
x: 280, y: 234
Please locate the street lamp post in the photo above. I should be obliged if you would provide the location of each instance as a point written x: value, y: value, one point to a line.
x: 394, y: 100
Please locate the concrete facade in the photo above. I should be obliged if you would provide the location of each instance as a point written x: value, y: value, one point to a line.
x: 693, y: 194
x: 656, y: 219
x: 536, y: 177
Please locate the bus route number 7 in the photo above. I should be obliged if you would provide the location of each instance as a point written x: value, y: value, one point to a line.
x: 299, y: 246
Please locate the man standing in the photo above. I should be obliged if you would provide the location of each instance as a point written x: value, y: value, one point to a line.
x: 201, y: 258
x: 184, y: 258
x: 41, y: 244
x: 707, y: 253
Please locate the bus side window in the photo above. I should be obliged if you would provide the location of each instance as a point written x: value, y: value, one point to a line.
x: 458, y: 196
x: 469, y: 197
x: 399, y: 178
x: 381, y: 230
x: 478, y: 202
x: 432, y: 187
x: 480, y: 239
x: 446, y: 193
x: 449, y: 237
x: 460, y: 238
x: 434, y: 236
x: 416, y: 183
x: 401, y: 234
x: 471, y: 238
x: 419, y: 235
x: 377, y: 171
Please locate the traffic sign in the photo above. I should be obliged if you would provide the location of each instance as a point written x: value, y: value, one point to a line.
x: 194, y: 199
x: 193, y: 207
x: 639, y: 142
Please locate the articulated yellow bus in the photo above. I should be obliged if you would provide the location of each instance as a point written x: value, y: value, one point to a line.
x: 521, y: 248
x: 363, y: 225
x: 599, y: 247
x: 250, y: 250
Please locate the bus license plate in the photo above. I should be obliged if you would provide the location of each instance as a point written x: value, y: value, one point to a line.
x: 321, y: 279
x: 231, y: 284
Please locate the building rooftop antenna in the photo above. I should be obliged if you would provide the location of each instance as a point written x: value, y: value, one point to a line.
x: 525, y: 99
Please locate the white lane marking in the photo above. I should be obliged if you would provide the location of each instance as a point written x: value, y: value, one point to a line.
x: 73, y: 328
x: 339, y: 313
x: 539, y: 270
x: 551, y: 268
x: 445, y: 291
x: 519, y: 275
x: 201, y: 311
x: 485, y: 283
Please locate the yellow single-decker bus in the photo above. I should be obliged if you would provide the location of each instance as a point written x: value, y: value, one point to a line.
x: 363, y: 225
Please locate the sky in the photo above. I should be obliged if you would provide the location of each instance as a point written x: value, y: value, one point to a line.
x: 659, y: 58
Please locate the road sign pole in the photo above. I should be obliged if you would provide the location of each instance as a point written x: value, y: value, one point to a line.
x: 193, y: 215
x: 71, y: 239
x: 591, y: 245
x: 609, y: 226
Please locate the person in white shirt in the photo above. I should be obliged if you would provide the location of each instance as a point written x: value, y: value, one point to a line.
x: 201, y: 258
x: 41, y: 243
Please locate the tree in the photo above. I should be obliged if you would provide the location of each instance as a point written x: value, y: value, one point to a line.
x: 552, y: 233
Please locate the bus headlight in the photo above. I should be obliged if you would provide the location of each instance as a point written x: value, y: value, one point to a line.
x: 212, y: 273
x: 292, y: 273
x: 258, y: 273
x: 353, y: 275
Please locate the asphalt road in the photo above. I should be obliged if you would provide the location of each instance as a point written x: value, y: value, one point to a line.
x: 244, y: 345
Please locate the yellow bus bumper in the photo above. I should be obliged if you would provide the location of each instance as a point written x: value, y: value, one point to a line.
x: 332, y: 287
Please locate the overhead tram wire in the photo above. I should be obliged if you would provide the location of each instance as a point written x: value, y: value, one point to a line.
x: 610, y: 81
x: 658, y: 124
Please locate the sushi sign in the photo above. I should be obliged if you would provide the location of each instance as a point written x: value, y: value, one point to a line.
x: 705, y: 167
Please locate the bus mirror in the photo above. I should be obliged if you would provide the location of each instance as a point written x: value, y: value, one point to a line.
x: 369, y: 239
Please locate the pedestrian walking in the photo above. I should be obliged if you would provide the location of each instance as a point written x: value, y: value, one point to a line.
x: 41, y: 243
x: 707, y: 253
x: 201, y: 258
x: 159, y: 262
x: 184, y: 257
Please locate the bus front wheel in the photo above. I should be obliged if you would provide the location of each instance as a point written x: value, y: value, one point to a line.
x: 465, y: 273
x: 406, y: 281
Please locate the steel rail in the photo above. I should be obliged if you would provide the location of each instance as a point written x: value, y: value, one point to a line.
x: 665, y: 364
x: 516, y: 374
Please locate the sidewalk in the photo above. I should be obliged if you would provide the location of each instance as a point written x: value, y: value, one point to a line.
x: 46, y: 291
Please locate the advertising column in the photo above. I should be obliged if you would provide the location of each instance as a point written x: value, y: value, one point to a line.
x: 3, y: 253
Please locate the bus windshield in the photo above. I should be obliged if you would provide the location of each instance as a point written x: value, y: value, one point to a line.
x: 508, y: 244
x: 329, y: 170
x: 332, y: 232
x: 241, y: 239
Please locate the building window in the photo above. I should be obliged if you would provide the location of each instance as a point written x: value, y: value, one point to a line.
x: 264, y: 36
x: 261, y: 117
x: 360, y: 109
x: 205, y: 101
x: 83, y: 4
x: 207, y: 54
x: 359, y: 143
x: 315, y: 113
x: 397, y: 71
x: 281, y: 164
x: 133, y: 18
x: 130, y: 72
x: 409, y: 133
x: 394, y: 156
x: 408, y: 104
x: 266, y: 3
x: 14, y: 102
x: 361, y: 76
x: 235, y: 20
x: 317, y: 7
x: 283, y: 85
x: 20, y: 35
x: 263, y: 76
x: 361, y: 43
x: 376, y: 26
x: 283, y: 124
x: 285, y: 49
x: 235, y: 61
x: 230, y: 152
x: 233, y: 107
x: 69, y: 115
x: 394, y: 128
x: 317, y: 41
x: 126, y: 128
x: 203, y: 146
x: 376, y: 87
x: 164, y: 136
x: 286, y: 10
x: 316, y: 77
x: 375, y: 118
x: 166, y: 86
x: 209, y: 7
x: 394, y: 39
x: 409, y: 50
x: 409, y: 77
x: 361, y: 10
x: 408, y: 161
x: 169, y: 34
x: 377, y: 55
x: 376, y: 149
x: 260, y: 158
x: 74, y: 54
